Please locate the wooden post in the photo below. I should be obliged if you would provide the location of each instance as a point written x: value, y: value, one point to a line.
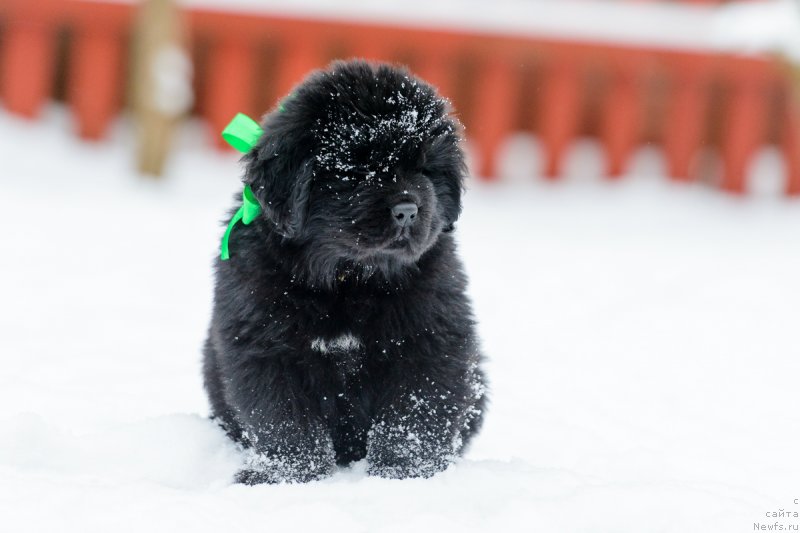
x: 27, y: 66
x: 745, y: 122
x: 622, y: 120
x: 791, y: 142
x: 230, y: 84
x: 560, y: 105
x: 95, y: 84
x: 161, y: 81
x: 497, y: 99
x: 685, y: 119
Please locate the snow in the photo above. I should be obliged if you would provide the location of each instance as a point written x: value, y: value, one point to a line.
x: 760, y: 27
x: 642, y: 342
x: 344, y: 135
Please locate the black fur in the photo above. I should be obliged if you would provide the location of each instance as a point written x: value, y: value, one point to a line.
x: 335, y: 335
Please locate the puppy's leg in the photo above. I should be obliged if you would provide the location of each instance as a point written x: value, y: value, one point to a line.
x: 419, y: 429
x: 220, y: 411
x: 285, y: 452
x: 285, y: 437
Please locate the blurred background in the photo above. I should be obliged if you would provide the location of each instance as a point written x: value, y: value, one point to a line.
x: 707, y: 83
x: 630, y: 231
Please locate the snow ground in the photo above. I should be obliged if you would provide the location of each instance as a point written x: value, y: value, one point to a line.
x: 643, y: 345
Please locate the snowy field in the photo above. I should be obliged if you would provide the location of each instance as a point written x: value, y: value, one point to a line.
x: 642, y: 337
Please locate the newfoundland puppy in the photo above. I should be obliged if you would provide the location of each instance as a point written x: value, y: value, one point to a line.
x: 341, y: 329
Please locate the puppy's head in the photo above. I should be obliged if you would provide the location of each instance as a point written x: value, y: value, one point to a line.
x: 362, y: 165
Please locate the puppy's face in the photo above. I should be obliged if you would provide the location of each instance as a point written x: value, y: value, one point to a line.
x: 362, y: 166
x: 365, y: 216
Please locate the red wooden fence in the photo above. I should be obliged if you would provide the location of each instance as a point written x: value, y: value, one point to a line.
x: 559, y: 90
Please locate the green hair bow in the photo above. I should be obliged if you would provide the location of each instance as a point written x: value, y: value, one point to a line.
x: 242, y: 133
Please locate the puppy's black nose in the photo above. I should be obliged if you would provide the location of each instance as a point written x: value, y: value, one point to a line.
x: 404, y: 214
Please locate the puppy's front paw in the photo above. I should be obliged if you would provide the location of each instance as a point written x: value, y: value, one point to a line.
x: 251, y: 476
x: 397, y: 453
x: 270, y: 469
x: 404, y: 469
x: 302, y: 461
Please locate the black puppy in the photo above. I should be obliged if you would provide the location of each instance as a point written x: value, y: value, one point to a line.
x: 341, y: 328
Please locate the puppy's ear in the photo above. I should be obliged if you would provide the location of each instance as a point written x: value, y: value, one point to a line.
x: 281, y: 180
x: 444, y: 164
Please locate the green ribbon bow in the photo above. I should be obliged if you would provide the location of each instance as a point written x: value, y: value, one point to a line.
x: 242, y: 133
